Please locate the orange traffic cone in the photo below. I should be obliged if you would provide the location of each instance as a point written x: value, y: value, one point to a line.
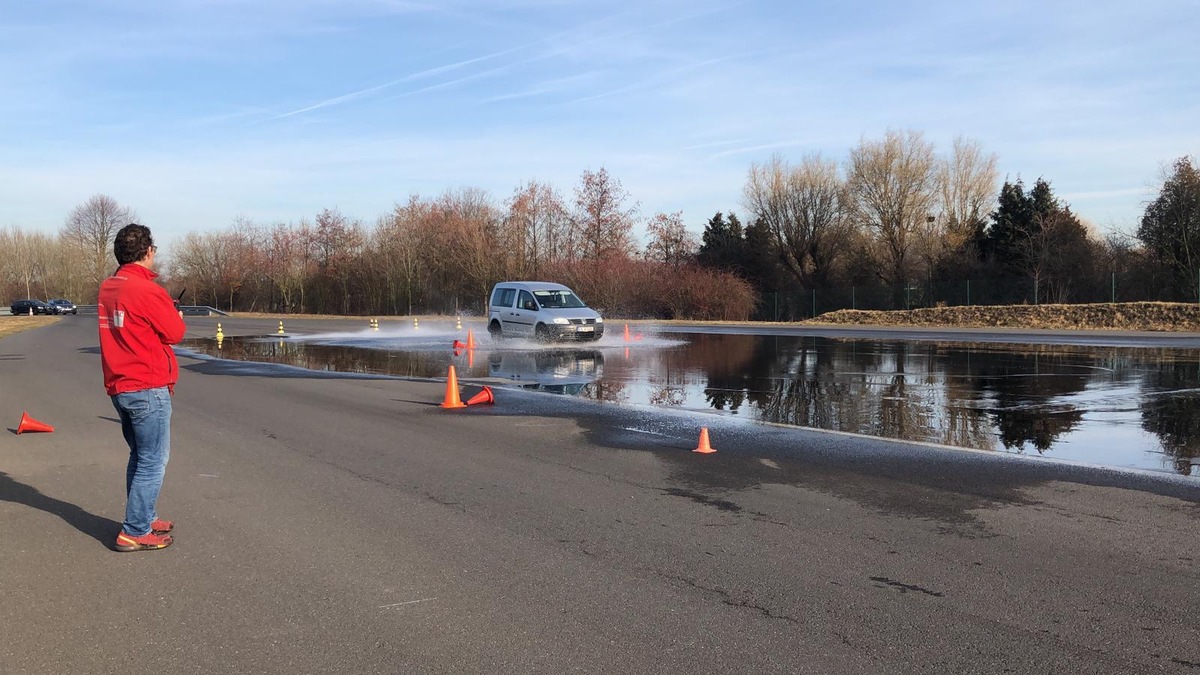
x: 459, y: 345
x: 452, y: 400
x: 470, y: 339
x: 704, y: 447
x: 30, y: 424
x: 484, y: 396
x: 627, y: 332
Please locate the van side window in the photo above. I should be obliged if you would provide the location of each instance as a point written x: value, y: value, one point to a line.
x: 526, y: 301
x: 503, y: 297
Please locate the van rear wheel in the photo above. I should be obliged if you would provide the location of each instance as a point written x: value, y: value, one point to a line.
x: 494, y: 331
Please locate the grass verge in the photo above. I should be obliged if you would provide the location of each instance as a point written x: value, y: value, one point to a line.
x: 16, y: 324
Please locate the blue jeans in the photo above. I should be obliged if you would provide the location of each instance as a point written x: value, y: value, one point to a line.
x: 146, y: 424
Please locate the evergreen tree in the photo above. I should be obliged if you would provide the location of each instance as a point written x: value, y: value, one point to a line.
x: 1011, y: 219
x: 761, y: 261
x: 722, y: 244
x: 1034, y: 235
x: 1170, y: 228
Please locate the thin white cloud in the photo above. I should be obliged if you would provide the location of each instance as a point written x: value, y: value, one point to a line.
x: 715, y: 144
x: 354, y: 95
x: 758, y: 148
x: 554, y: 86
x: 662, y: 77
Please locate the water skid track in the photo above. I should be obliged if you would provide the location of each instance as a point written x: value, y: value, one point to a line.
x: 1113, y: 406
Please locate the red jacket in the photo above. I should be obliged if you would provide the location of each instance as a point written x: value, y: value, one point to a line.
x: 138, y: 325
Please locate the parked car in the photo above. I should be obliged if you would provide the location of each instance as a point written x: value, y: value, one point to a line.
x: 541, y: 310
x: 23, y: 307
x: 62, y: 306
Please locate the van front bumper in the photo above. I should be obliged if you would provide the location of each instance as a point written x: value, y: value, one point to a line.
x: 575, y: 331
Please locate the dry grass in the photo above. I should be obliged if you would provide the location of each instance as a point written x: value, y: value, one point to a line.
x: 1144, y: 316
x: 16, y: 324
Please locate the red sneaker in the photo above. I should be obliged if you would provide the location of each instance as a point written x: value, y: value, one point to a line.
x: 160, y: 526
x: 147, y: 542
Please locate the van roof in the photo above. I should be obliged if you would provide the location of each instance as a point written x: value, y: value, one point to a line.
x: 533, y: 285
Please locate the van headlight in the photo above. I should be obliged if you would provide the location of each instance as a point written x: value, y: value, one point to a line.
x: 560, y: 320
x: 599, y: 319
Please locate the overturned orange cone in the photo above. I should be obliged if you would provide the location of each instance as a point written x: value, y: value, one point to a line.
x: 484, y: 396
x: 30, y: 424
x: 459, y: 345
x: 704, y: 447
x: 452, y: 400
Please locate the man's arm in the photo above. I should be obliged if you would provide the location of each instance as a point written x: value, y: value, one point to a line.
x: 165, y: 318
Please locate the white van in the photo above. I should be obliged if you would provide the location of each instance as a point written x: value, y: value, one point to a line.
x: 541, y: 310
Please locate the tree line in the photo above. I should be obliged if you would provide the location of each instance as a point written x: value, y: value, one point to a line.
x: 894, y: 217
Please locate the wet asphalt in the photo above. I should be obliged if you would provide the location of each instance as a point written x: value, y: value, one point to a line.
x: 336, y: 523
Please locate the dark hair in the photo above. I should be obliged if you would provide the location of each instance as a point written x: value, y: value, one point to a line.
x: 132, y: 243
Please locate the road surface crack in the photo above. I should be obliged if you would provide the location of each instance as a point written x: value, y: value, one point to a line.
x: 729, y: 600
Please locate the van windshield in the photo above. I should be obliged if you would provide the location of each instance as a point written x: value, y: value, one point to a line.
x: 558, y: 299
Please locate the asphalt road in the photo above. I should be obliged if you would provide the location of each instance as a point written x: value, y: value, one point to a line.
x: 330, y: 523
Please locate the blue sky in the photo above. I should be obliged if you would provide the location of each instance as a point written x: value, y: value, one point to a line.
x: 197, y: 112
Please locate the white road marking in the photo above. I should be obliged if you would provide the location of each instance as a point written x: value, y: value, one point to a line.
x: 410, y: 602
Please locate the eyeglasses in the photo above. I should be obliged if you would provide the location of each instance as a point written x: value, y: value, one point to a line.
x: 153, y: 248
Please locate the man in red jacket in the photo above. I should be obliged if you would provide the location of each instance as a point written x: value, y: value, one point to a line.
x: 138, y: 324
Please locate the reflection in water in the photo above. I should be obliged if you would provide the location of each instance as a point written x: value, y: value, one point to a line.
x: 558, y: 371
x: 1172, y: 413
x: 1116, y: 406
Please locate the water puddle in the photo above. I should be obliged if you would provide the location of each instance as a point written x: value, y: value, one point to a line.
x: 1114, y: 406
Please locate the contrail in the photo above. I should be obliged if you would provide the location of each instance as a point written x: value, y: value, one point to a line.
x: 407, y: 78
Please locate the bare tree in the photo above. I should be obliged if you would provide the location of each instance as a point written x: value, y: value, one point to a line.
x: 195, y: 262
x: 399, y: 239
x: 602, y: 225
x: 7, y: 273
x: 804, y: 208
x: 63, y: 272
x: 967, y: 186
x: 670, y: 242
x: 467, y: 229
x: 91, y: 226
x: 338, y: 242
x: 535, y: 229
x: 287, y: 269
x: 967, y: 192
x: 1057, y: 254
x: 26, y: 254
x: 893, y: 183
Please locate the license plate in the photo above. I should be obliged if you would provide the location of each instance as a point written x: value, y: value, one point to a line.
x: 585, y: 329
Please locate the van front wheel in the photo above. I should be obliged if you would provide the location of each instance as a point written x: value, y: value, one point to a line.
x: 542, y: 333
